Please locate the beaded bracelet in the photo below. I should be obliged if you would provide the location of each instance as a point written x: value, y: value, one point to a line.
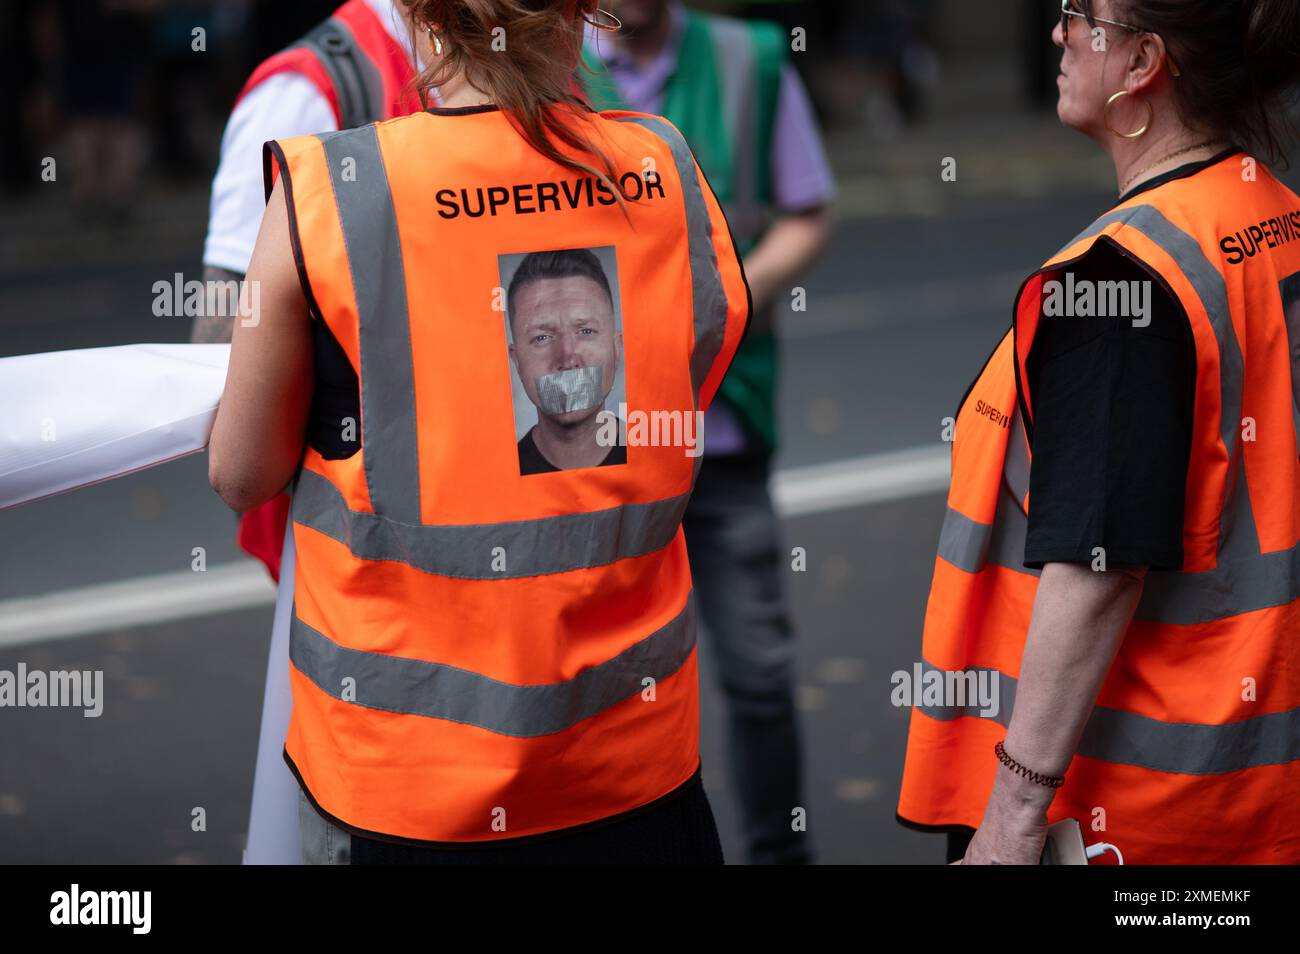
x: 1021, y: 770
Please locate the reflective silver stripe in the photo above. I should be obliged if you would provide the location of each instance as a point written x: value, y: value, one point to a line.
x: 1010, y: 522
x: 964, y: 542
x: 1099, y: 225
x: 417, y: 687
x: 491, y: 551
x: 970, y: 545
x: 1113, y: 735
x: 1016, y: 469
x: 1211, y: 288
x: 709, y: 299
x: 374, y: 250
x: 734, y: 53
x: 973, y: 546
x: 1008, y: 534
x: 1178, y: 599
x: 1230, y: 589
x: 946, y: 713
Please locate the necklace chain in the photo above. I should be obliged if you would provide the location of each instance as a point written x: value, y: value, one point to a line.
x: 1173, y: 155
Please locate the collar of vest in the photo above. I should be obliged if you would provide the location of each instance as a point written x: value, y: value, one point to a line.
x: 491, y: 108
x: 463, y: 110
x: 1137, y: 225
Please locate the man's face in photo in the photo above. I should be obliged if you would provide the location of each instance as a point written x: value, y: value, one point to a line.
x: 566, y: 347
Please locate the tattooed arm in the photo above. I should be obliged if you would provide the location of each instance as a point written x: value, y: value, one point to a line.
x: 216, y: 328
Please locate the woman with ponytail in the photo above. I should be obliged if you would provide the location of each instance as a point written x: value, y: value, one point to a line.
x: 1122, y: 545
x: 492, y: 636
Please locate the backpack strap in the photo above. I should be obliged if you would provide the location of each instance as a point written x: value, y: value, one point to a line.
x: 354, y: 77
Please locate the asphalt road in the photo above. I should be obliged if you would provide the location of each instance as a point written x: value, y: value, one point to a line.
x: 902, y: 310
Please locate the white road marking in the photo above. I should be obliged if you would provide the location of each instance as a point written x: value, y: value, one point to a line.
x: 169, y: 597
x: 142, y: 601
x: 862, y: 481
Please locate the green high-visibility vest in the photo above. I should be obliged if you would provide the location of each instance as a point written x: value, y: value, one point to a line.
x: 722, y: 96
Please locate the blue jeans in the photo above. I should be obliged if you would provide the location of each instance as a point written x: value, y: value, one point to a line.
x: 738, y: 564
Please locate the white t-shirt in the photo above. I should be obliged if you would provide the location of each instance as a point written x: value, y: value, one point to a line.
x: 282, y: 106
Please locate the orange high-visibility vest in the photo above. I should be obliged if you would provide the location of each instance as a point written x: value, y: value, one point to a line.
x: 1192, y: 752
x: 479, y: 655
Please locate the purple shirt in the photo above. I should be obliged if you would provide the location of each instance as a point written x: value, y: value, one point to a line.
x: 801, y: 174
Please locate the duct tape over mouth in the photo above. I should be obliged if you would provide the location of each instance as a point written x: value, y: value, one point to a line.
x: 576, y: 389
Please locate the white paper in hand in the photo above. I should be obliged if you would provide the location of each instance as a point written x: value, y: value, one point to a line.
x: 75, y: 418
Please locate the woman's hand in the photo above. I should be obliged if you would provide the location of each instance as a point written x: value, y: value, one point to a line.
x: 1014, y: 828
x: 1007, y: 842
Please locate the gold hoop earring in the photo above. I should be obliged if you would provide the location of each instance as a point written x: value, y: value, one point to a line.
x: 437, y: 43
x: 1105, y: 115
x: 609, y: 23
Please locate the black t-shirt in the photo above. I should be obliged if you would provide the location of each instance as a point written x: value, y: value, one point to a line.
x: 1112, y: 423
x: 1112, y: 429
x: 531, y: 460
x: 335, y: 414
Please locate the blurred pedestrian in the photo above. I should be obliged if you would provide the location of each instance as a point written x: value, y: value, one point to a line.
x: 105, y: 55
x: 1119, y: 560
x: 489, y: 665
x: 728, y: 86
x: 186, y: 49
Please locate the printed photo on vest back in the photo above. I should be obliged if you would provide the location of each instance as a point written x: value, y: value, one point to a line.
x: 564, y: 331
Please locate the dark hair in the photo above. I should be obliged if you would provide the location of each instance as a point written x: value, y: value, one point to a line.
x: 1239, y: 60
x: 536, y: 69
x: 562, y: 263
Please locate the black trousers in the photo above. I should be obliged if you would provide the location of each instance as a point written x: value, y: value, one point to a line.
x: 678, y: 831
